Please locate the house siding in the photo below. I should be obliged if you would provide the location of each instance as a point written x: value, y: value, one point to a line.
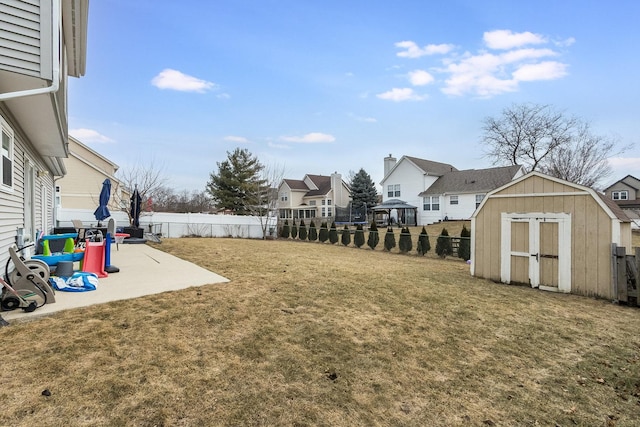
x: 23, y: 25
x: 463, y: 210
x: 86, y: 171
x: 412, y: 182
x: 12, y: 203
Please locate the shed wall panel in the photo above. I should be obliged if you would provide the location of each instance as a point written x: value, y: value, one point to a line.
x: 591, y: 232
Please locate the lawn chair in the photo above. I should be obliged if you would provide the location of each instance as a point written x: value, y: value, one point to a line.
x: 81, y: 230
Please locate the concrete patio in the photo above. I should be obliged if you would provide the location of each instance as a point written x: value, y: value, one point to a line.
x: 143, y: 271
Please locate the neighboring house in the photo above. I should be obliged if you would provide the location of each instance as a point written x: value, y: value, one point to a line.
x: 86, y: 171
x: 315, y: 196
x: 439, y: 190
x: 549, y: 234
x: 42, y: 43
x: 626, y: 194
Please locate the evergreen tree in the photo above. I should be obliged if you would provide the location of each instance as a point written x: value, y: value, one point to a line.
x: 294, y: 229
x: 389, y: 239
x: 303, y: 230
x: 285, y: 229
x: 374, y: 236
x: 358, y: 237
x: 324, y: 232
x: 464, y: 250
x: 424, y: 245
x: 237, y: 184
x: 443, y: 244
x: 363, y: 190
x: 346, y: 235
x: 333, y: 233
x: 405, y: 244
x: 313, y: 232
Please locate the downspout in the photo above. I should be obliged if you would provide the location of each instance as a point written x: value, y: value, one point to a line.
x: 55, y: 206
x: 55, y: 84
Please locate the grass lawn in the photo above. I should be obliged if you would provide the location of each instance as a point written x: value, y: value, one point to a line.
x: 310, y: 334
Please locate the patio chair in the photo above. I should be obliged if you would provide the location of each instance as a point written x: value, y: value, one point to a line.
x: 81, y: 230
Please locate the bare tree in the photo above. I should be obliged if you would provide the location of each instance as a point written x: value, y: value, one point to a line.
x: 147, y: 178
x: 538, y: 137
x: 266, y: 195
x: 525, y: 134
x: 584, y: 159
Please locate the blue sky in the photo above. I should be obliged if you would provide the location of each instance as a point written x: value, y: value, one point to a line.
x: 322, y: 86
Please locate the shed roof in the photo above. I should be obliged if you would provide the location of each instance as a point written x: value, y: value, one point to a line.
x: 607, y: 205
x: 472, y: 180
x: 614, y: 208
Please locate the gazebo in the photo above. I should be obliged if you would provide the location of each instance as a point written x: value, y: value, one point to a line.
x: 406, y: 214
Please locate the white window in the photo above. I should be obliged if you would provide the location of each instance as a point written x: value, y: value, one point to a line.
x: 431, y: 203
x: 6, y: 167
x: 324, y: 212
x: 479, y: 198
x: 312, y: 202
x: 393, y: 190
x: 328, y: 211
x: 284, y: 197
x: 58, y: 201
x: 453, y: 200
x: 620, y: 195
x: 329, y: 202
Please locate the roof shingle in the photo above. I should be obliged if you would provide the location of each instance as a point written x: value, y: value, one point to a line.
x: 472, y: 180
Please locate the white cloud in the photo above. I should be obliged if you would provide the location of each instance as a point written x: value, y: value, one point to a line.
x: 507, y: 60
x: 223, y: 96
x: 363, y: 119
x: 239, y: 139
x: 420, y: 78
x: 400, y: 94
x: 625, y: 162
x: 89, y: 135
x: 310, y: 138
x: 525, y: 54
x: 484, y: 85
x: 506, y: 39
x: 487, y: 74
x: 278, y: 146
x: 175, y: 80
x: 412, y: 50
x: 549, y: 70
x: 566, y: 42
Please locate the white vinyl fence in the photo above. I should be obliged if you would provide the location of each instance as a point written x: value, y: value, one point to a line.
x: 180, y: 225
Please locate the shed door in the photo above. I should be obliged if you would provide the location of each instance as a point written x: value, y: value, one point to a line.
x: 548, y: 255
x: 536, y: 249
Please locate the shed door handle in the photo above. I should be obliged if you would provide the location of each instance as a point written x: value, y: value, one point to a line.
x: 536, y: 255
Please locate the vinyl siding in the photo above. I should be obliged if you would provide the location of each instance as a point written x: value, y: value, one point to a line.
x: 25, y: 29
x: 12, y: 203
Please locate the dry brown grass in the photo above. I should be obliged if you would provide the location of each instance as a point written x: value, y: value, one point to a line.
x: 310, y: 334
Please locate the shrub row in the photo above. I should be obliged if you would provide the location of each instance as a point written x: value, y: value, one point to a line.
x: 405, y: 243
